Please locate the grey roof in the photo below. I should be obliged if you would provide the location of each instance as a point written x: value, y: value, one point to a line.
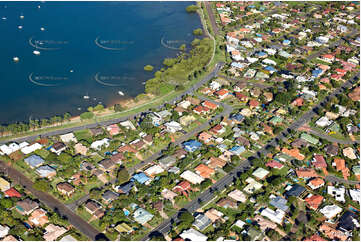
x: 44, y: 171
x: 296, y: 191
x: 167, y: 161
x: 34, y: 161
x: 279, y: 202
x: 201, y: 221
x: 109, y: 195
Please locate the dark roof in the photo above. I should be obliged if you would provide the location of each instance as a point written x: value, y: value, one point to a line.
x: 348, y: 221
x: 331, y: 149
x: 106, y: 164
x: 58, y: 146
x: 109, y: 195
x: 126, y: 187
x: 296, y: 191
x: 117, y: 157
x: 96, y: 131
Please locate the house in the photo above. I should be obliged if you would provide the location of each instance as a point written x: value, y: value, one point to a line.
x: 192, y: 145
x: 58, y: 147
x: 275, y: 216
x: 52, y: 232
x: 349, y: 153
x: 34, y: 161
x: 260, y: 173
x: 107, y: 165
x: 218, y: 129
x: 227, y: 203
x: 314, y: 237
x: 193, y: 235
x: 316, y: 183
x: 4, y: 184
x: 184, y: 104
x: 237, y: 150
x: 67, y: 138
x: 323, y: 122
x: 201, y: 221
x: 306, y: 173
x: 210, y: 105
x: 187, y: 120
x: 214, y: 215
x: 319, y: 162
x: 183, y: 187
x: 192, y: 177
x: 337, y: 193
x: 127, y: 148
x: 252, y: 186
x: 65, y: 188
x: 123, y: 228
x: 4, y: 230
x: 253, y: 103
x: 173, y: 126
x: 99, y: 144
x: 274, y: 164
x: 333, y: 233
x: 68, y: 238
x: 204, y: 171
x: 117, y: 158
x: 80, y: 149
x: 31, y: 148
x: 26, y: 207
x: 113, y: 129
x: 125, y: 188
x: 154, y: 170
x: 313, y: 201
x: 295, y: 191
x: 295, y: 153
x: 222, y: 94
x: 238, y: 196
x: 142, y: 216
x: 38, y: 217
x: 46, y: 171
x: 331, y: 150
x: 96, y: 131
x: 330, y: 211
x: 216, y: 163
x: 355, y: 94
x: 141, y: 178
x: 94, y: 208
x: 205, y: 137
x: 279, y: 203
x: 341, y: 166
x: 137, y: 144
x: 349, y: 222
x: 109, y: 196
x: 12, y: 192
x: 148, y: 139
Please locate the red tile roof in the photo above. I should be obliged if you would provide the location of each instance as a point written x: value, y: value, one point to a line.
x: 12, y: 192
x: 314, y: 201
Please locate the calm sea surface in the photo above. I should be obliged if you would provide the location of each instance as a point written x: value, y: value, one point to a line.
x: 93, y: 49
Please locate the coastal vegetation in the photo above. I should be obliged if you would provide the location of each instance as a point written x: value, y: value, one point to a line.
x: 198, y: 31
x: 148, y: 68
x: 192, y: 8
x: 181, y: 69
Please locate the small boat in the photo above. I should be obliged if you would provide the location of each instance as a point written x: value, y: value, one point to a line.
x: 42, y: 29
x: 20, y: 27
x: 121, y: 93
x: 79, y: 109
x: 21, y: 16
x: 16, y: 59
x: 86, y: 97
x: 39, y: 6
x: 36, y: 52
x: 95, y: 99
x: 3, y: 18
x: 143, y: 83
x: 71, y: 71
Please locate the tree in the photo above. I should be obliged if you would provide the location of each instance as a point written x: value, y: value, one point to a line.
x: 123, y: 175
x: 118, y: 108
x: 6, y: 203
x: 67, y: 116
x: 86, y: 115
x: 65, y: 158
x: 182, y: 47
x: 99, y: 107
x: 148, y: 68
x: 192, y: 8
x: 198, y: 32
x: 186, y: 217
x: 42, y: 185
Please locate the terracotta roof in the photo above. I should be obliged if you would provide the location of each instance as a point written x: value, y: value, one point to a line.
x: 222, y: 92
x: 306, y: 173
x: 355, y: 94
x: 294, y: 153
x: 314, y: 237
x: 12, y: 192
x: 274, y: 164
x: 316, y: 182
x: 253, y: 103
x: 298, y: 102
x: 241, y: 97
x: 216, y: 162
x: 319, y: 161
x: 332, y: 233
x: 204, y: 171
x: 127, y: 148
x: 204, y: 136
x: 209, y: 105
x: 314, y: 201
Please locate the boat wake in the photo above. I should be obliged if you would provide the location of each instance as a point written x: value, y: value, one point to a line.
x: 105, y: 47
x: 171, y: 47
x: 96, y: 77
x: 38, y: 47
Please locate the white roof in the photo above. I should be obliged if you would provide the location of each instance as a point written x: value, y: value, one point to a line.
x: 275, y: 216
x: 99, y: 143
x: 154, y: 170
x: 193, y: 235
x: 330, y: 211
x: 238, y: 196
x: 192, y: 177
x: 29, y: 149
x: 68, y: 238
x: 23, y: 144
x: 260, y: 173
x: 68, y: 137
x: 240, y: 223
x: 4, y: 230
x: 252, y: 185
x: 337, y: 193
x: 355, y: 194
x: 323, y: 122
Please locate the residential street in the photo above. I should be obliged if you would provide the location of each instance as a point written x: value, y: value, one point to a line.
x: 332, y: 139
x: 51, y: 202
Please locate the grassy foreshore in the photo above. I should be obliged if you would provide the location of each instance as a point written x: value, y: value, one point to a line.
x: 109, y: 113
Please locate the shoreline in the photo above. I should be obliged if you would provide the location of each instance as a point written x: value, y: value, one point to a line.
x: 129, y: 103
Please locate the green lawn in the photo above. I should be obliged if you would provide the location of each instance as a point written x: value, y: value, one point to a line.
x: 82, y: 134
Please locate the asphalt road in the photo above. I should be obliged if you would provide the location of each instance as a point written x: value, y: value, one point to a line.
x: 211, y: 18
x: 336, y: 179
x: 189, y: 91
x: 51, y: 202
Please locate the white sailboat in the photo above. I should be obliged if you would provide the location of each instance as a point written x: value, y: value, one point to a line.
x: 16, y: 59
x: 36, y: 52
x: 121, y: 93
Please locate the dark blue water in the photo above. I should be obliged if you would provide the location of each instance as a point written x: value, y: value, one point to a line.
x: 90, y: 49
